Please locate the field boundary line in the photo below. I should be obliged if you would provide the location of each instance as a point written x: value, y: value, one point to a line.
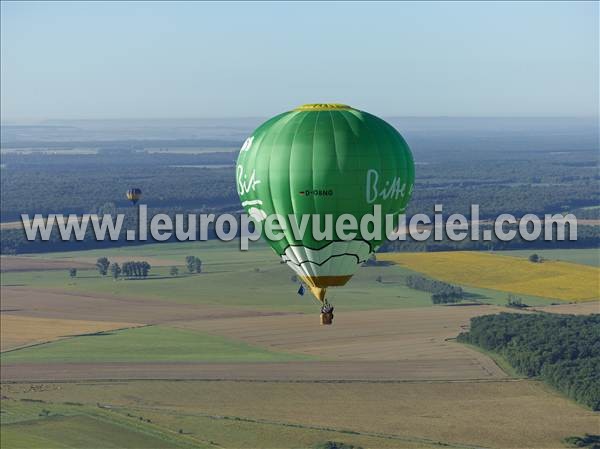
x: 498, y: 360
x: 68, y: 337
x: 282, y: 381
x: 158, y: 431
x: 389, y: 436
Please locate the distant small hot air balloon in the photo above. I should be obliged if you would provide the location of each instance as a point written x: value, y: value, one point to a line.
x: 324, y: 159
x: 134, y: 195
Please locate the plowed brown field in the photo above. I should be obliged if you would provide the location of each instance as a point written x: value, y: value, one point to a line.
x: 56, y: 303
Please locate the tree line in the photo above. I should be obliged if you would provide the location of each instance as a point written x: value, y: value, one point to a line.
x: 38, y: 183
x: 138, y: 269
x: 441, y: 292
x: 562, y: 350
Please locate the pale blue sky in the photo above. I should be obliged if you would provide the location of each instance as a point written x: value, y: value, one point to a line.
x: 174, y: 60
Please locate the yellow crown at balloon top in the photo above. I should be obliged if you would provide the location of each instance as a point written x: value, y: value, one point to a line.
x: 322, y: 107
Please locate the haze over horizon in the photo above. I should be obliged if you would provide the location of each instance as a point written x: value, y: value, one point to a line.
x: 66, y: 61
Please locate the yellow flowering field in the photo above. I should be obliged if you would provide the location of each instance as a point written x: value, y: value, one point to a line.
x: 550, y: 279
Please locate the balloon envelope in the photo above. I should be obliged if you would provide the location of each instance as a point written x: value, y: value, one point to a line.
x: 133, y: 195
x: 324, y: 159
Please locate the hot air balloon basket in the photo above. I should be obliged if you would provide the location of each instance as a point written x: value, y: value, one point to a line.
x: 326, y: 318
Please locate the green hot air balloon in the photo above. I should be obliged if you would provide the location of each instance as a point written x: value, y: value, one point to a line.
x: 324, y: 159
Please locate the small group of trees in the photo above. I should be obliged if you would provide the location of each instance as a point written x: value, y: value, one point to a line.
x: 535, y: 258
x: 136, y: 269
x: 588, y: 440
x: 441, y: 292
x: 131, y: 269
x: 193, y: 264
x: 115, y: 270
x: 445, y: 298
x: 102, y: 265
x: 515, y: 302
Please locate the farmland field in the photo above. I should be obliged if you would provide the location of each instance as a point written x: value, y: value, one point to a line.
x: 150, y: 343
x: 413, y: 414
x: 589, y: 256
x: 15, y: 263
x: 144, y: 145
x: 403, y: 344
x: 550, y: 279
x: 33, y: 425
x: 231, y: 277
x: 576, y: 308
x: 17, y: 330
x: 233, y: 358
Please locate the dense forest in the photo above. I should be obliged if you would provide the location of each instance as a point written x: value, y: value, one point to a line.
x: 562, y: 350
x: 46, y: 183
x: 504, y: 166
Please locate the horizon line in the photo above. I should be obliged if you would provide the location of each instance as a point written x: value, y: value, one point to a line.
x: 9, y: 121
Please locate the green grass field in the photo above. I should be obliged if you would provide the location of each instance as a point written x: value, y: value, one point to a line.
x: 247, y: 279
x: 55, y: 425
x: 213, y: 251
x: 254, y: 279
x: 145, y: 344
x: 34, y: 425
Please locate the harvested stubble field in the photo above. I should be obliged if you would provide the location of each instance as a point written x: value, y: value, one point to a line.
x: 498, y: 414
x: 17, y: 331
x: 57, y: 303
x: 404, y: 344
x: 578, y: 308
x: 17, y: 263
x: 415, y: 338
x: 551, y: 279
